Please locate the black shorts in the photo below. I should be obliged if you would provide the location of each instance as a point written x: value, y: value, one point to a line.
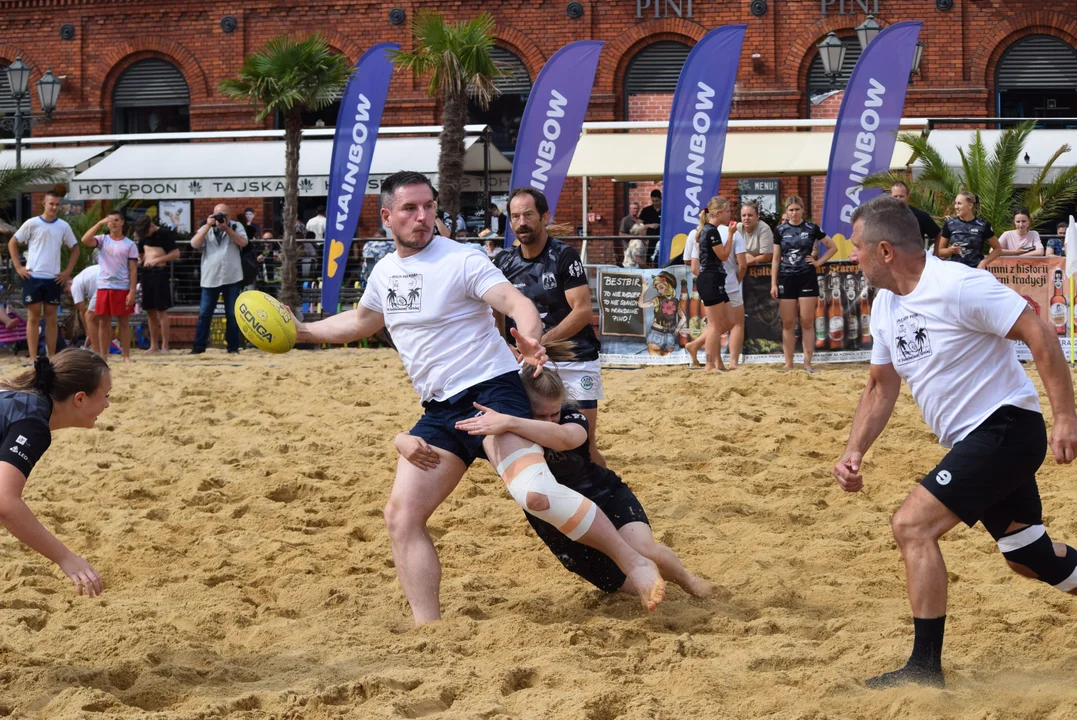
x: 437, y: 426
x: 711, y: 289
x: 990, y: 475
x: 156, y: 289
x: 799, y: 285
x: 622, y: 507
x: 41, y: 290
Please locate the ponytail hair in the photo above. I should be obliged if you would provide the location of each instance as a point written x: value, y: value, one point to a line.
x: 547, y: 386
x: 72, y: 371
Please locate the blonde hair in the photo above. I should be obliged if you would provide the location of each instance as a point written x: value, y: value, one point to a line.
x: 793, y: 200
x: 716, y: 205
x: 546, y: 386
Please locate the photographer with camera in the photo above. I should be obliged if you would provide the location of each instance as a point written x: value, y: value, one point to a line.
x: 220, y: 240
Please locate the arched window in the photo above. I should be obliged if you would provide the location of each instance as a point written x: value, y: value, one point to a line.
x: 1037, y: 78
x: 506, y: 110
x: 7, y: 103
x: 819, y: 83
x: 654, y: 70
x: 151, y: 96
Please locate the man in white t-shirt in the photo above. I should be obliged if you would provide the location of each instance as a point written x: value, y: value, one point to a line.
x: 83, y: 291
x: 317, y: 224
x: 435, y: 297
x: 42, y: 279
x: 946, y: 329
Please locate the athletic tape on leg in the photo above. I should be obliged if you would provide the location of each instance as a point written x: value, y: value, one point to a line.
x: 1032, y: 547
x: 525, y: 471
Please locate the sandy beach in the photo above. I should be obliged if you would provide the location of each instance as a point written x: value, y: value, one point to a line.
x: 234, y: 508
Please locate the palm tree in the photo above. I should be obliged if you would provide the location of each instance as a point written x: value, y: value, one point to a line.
x: 990, y: 176
x: 13, y: 180
x: 457, y: 58
x: 290, y: 76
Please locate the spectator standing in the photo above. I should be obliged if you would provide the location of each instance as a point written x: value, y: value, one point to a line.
x: 249, y: 225
x: 317, y: 224
x: 43, y: 280
x: 83, y: 291
x: 630, y: 221
x: 964, y: 236
x: 157, y: 248
x: 758, y: 237
x: 651, y: 217
x: 929, y: 230
x: 496, y: 223
x: 1056, y: 247
x: 117, y: 256
x: 1021, y: 241
x: 220, y: 240
x: 373, y: 252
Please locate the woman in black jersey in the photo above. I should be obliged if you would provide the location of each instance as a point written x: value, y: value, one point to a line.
x: 964, y: 236
x: 715, y: 244
x: 793, y: 279
x: 561, y: 430
x: 69, y: 391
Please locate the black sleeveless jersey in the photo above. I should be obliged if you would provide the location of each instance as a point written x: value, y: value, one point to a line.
x: 24, y: 427
x: 709, y: 264
x: 574, y: 468
x: 544, y: 280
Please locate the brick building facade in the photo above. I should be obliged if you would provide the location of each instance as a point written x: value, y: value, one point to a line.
x: 93, y: 43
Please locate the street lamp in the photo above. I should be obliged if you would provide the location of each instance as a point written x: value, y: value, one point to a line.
x: 916, y: 55
x: 48, y: 91
x: 867, y: 30
x: 832, y: 52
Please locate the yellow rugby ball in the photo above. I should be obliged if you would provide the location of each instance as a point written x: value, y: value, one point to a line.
x: 266, y: 322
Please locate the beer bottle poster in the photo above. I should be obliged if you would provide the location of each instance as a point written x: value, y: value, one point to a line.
x: 1043, y: 285
x: 645, y: 312
x: 842, y: 314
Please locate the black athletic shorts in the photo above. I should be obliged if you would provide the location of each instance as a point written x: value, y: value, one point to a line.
x: 437, y: 426
x: 799, y: 285
x: 156, y: 290
x: 621, y: 507
x: 990, y: 476
x: 711, y: 289
x: 41, y: 290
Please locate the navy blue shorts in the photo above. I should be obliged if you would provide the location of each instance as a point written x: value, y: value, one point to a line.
x: 41, y: 290
x: 437, y: 426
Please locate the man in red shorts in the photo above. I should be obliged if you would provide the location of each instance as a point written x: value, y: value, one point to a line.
x: 118, y: 258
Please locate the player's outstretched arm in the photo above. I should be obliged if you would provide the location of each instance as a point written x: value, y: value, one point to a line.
x: 341, y: 328
x: 872, y: 413
x: 21, y: 522
x: 547, y: 434
x: 1042, y: 340
x: 509, y: 301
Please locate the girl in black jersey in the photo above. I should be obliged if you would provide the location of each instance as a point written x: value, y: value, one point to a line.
x: 69, y: 391
x: 714, y: 250
x: 794, y: 282
x: 562, y: 432
x: 964, y: 236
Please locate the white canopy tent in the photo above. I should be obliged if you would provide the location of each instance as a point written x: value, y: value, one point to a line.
x: 1039, y: 147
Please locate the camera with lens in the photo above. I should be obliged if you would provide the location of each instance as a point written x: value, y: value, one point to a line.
x: 221, y: 218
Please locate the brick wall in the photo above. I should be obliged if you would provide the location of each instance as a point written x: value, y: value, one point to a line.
x: 958, y: 68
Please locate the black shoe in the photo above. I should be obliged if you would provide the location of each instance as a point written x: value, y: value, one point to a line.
x: 234, y: 352
x: 905, y: 676
x: 196, y: 351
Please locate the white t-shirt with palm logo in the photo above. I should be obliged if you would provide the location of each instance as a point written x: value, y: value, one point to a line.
x: 947, y: 340
x: 433, y: 307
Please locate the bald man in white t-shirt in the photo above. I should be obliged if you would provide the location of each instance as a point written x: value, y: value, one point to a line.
x: 946, y: 330
x: 436, y: 298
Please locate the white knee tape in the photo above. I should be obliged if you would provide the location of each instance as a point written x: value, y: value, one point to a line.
x: 568, y: 511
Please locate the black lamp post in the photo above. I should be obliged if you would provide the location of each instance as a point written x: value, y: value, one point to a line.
x: 832, y: 52
x: 867, y: 30
x: 916, y: 55
x: 48, y: 90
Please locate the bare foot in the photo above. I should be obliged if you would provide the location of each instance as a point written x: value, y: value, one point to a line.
x: 127, y: 359
x: 693, y: 353
x: 698, y: 586
x: 648, y: 583
x: 808, y: 368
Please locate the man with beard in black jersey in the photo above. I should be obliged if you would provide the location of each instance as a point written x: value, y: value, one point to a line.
x: 550, y: 274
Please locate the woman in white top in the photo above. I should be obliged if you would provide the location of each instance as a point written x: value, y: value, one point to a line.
x: 1021, y: 241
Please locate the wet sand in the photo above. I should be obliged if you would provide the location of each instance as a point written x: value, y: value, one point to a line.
x: 234, y: 508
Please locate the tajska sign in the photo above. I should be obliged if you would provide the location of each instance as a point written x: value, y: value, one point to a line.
x: 666, y: 8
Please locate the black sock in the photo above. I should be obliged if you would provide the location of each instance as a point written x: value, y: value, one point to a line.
x: 925, y: 664
x: 927, y: 643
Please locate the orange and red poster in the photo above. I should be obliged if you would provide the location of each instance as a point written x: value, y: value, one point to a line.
x: 1042, y: 282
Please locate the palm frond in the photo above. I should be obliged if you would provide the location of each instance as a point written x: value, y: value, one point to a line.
x: 13, y: 180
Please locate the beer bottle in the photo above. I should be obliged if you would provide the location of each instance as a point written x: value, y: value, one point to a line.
x: 837, y: 315
x: 1059, y: 306
x: 852, y: 323
x: 865, y: 318
x: 820, y: 316
x: 682, y: 340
